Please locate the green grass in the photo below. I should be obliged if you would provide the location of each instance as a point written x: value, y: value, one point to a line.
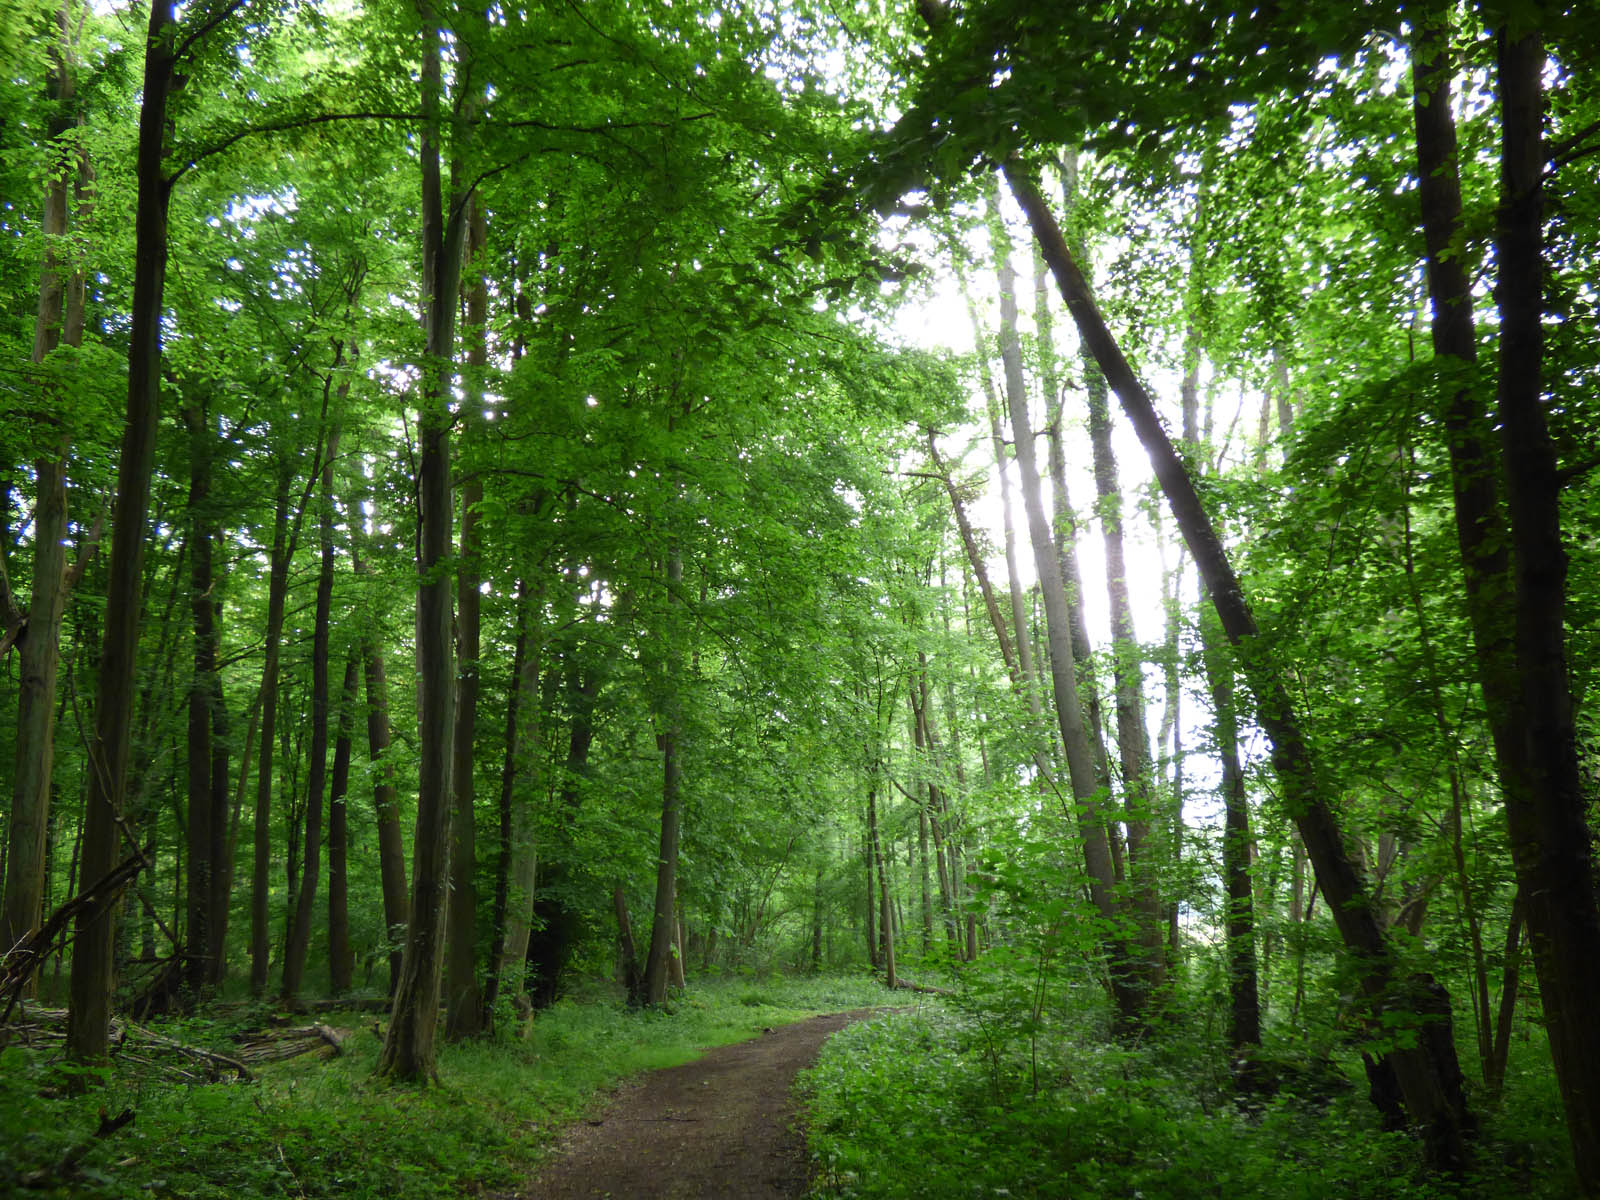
x: 942, y: 1102
x: 317, y: 1128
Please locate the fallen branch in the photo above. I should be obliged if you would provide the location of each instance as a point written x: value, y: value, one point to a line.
x: 905, y: 985
x: 18, y: 964
x: 276, y: 1045
x: 44, y: 1026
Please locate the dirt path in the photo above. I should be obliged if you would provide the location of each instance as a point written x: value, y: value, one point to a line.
x: 716, y: 1127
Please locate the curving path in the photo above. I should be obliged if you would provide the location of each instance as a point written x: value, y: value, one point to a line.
x: 721, y: 1126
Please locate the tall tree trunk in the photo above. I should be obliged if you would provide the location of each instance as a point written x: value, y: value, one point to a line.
x: 386, y: 809
x: 1510, y: 977
x: 408, y: 1050
x: 88, y: 1012
x: 1019, y: 609
x: 463, y: 999
x: 1429, y: 1075
x: 227, y: 830
x: 500, y: 969
x: 1131, y: 991
x: 975, y: 560
x: 277, y: 592
x: 299, y: 940
x: 1244, y: 1009
x: 60, y: 319
x: 341, y: 961
x: 1546, y: 807
x: 205, y: 695
x: 1520, y: 648
x: 661, y: 925
x: 885, y: 911
x: 632, y: 976
x: 521, y: 791
x: 1127, y: 669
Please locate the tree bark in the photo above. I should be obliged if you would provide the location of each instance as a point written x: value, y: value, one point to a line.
x: 885, y: 911
x: 409, y: 1050
x: 1127, y: 670
x: 1130, y: 990
x: 88, y: 1013
x: 60, y: 296
x: 661, y: 925
x: 386, y: 809
x: 1545, y: 804
x: 277, y: 596
x: 463, y: 999
x: 341, y: 961
x: 521, y: 792
x: 299, y: 940
x: 205, y: 695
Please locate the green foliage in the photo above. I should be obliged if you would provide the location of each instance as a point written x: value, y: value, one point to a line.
x: 909, y: 1104
x: 314, y: 1128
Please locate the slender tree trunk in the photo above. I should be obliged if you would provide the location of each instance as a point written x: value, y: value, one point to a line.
x: 632, y: 976
x: 1511, y: 973
x: 1131, y: 991
x: 227, y: 829
x: 205, y: 694
x: 1244, y: 1011
x: 408, y: 1050
x: 655, y: 969
x: 299, y: 940
x: 885, y: 910
x: 872, y: 895
x: 1019, y: 610
x: 277, y: 592
x: 60, y: 319
x: 1127, y: 669
x: 386, y: 809
x: 975, y: 560
x: 88, y: 1013
x: 341, y: 961
x: 463, y: 1000
x: 526, y: 750
x: 501, y: 965
x: 1429, y: 1075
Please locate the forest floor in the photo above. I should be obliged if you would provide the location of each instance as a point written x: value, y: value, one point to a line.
x: 721, y: 1126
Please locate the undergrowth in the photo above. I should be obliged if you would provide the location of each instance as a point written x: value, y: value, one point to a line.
x: 944, y: 1101
x: 312, y: 1128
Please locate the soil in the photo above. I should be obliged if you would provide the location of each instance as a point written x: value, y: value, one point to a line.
x: 722, y: 1126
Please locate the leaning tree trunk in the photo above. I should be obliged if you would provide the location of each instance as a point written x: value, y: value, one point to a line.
x: 88, y: 1011
x: 1428, y: 1073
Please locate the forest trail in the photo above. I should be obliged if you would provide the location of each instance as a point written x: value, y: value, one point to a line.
x: 720, y: 1126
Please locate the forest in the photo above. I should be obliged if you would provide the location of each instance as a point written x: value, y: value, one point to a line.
x: 539, y: 538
